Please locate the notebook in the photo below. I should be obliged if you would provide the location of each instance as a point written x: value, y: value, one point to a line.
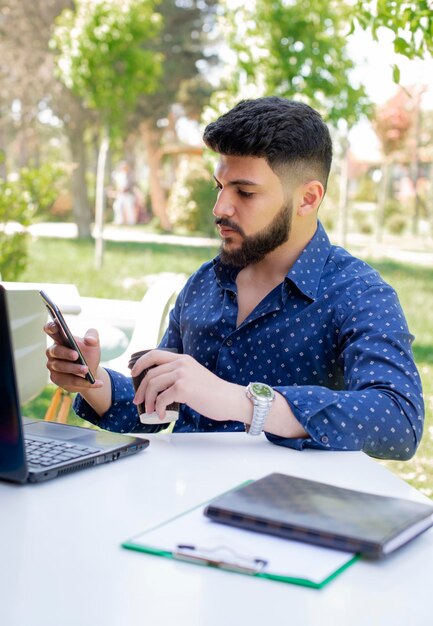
x: 52, y: 449
x: 322, y: 514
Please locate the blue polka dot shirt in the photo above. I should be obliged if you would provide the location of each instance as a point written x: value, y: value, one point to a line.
x: 332, y: 339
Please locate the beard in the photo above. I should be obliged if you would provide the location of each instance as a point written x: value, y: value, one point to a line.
x: 254, y: 248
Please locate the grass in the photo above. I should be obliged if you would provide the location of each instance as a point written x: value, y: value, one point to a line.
x: 126, y: 264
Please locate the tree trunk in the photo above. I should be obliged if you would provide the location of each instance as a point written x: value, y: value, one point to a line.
x: 100, y: 199
x: 415, y: 166
x: 429, y: 203
x: 344, y: 188
x: 3, y: 152
x: 81, y: 207
x: 157, y: 194
x: 383, y: 198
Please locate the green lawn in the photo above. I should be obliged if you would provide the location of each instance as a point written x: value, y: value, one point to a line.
x: 125, y: 265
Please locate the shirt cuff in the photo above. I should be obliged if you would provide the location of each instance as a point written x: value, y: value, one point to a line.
x: 304, y: 405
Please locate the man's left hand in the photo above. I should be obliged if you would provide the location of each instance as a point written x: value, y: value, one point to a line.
x: 180, y: 378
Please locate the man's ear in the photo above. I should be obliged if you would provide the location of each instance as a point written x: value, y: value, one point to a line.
x: 310, y: 196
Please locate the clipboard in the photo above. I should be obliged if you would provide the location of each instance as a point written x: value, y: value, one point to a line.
x: 192, y: 538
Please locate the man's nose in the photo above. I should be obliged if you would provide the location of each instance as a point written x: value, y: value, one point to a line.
x: 223, y: 206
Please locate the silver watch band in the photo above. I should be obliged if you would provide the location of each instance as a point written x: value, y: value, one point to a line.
x: 260, y: 413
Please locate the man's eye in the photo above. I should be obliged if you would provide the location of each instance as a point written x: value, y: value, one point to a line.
x: 245, y: 194
x: 217, y: 188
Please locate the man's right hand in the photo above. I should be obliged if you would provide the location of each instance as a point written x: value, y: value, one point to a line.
x: 62, y: 363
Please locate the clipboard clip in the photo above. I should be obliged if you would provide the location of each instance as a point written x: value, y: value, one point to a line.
x: 222, y: 557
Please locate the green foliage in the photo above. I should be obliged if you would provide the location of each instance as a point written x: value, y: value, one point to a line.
x: 185, y: 45
x: 104, y: 54
x: 363, y: 221
x: 42, y: 186
x: 396, y: 217
x: 14, y: 208
x: 192, y: 198
x: 13, y: 254
x: 30, y: 192
x: 298, y: 50
x: 367, y: 189
x: 410, y: 22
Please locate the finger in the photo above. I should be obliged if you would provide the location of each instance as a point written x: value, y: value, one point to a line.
x: 154, y: 374
x: 68, y: 367
x: 59, y: 351
x: 53, y: 331
x: 73, y: 383
x: 154, y: 357
x: 164, y: 399
x: 149, y: 389
x: 91, y: 338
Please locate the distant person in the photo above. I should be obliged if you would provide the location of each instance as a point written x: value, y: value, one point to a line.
x: 124, y: 204
x: 282, y: 332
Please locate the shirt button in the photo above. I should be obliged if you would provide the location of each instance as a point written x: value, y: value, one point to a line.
x: 229, y: 342
x: 324, y: 439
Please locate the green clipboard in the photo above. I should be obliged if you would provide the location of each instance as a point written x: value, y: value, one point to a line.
x: 192, y: 538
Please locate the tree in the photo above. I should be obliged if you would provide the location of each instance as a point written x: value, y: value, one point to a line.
x: 104, y: 58
x: 298, y: 50
x: 27, y: 79
x: 184, y: 43
x: 392, y: 123
x: 409, y: 21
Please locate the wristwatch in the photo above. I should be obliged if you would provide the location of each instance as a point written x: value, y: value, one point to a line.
x: 261, y: 396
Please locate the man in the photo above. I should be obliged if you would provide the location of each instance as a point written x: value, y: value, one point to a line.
x: 318, y: 330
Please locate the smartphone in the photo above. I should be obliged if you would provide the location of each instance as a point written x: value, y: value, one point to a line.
x: 68, y: 338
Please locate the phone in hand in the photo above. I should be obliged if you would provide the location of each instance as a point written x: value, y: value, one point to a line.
x: 67, y: 337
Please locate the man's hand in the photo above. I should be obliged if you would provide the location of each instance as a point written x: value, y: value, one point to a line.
x: 61, y: 361
x: 180, y: 378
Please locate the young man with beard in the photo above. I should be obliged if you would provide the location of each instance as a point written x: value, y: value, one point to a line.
x: 282, y: 332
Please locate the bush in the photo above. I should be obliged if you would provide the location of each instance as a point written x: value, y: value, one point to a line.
x: 363, y: 222
x: 367, y: 190
x: 192, y: 198
x: 396, y: 217
x: 13, y: 240
x: 29, y: 192
x: 41, y: 187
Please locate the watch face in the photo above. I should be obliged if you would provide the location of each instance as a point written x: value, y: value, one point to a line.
x: 262, y: 391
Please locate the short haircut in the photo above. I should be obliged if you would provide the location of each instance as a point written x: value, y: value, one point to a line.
x: 284, y: 132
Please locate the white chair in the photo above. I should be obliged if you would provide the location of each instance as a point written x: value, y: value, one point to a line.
x: 151, y: 319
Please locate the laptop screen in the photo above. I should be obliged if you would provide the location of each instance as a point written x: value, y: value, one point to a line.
x: 12, y: 457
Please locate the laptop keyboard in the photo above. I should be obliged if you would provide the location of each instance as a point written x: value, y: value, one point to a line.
x: 51, y: 452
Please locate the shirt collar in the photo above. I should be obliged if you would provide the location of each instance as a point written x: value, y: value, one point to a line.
x: 225, y: 274
x: 305, y: 273
x: 307, y: 270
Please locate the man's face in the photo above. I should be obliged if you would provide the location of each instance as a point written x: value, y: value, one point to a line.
x: 252, y: 212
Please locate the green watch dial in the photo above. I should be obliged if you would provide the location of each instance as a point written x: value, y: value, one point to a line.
x: 262, y: 390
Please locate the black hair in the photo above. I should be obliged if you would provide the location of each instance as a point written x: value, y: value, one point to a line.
x: 284, y: 132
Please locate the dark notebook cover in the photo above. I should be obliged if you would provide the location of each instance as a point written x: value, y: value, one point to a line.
x: 322, y: 514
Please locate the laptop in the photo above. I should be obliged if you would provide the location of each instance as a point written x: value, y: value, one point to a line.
x: 35, y: 450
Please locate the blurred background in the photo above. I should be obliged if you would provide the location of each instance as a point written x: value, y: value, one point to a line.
x: 105, y: 182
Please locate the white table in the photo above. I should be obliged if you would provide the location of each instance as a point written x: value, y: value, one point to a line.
x: 61, y: 563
